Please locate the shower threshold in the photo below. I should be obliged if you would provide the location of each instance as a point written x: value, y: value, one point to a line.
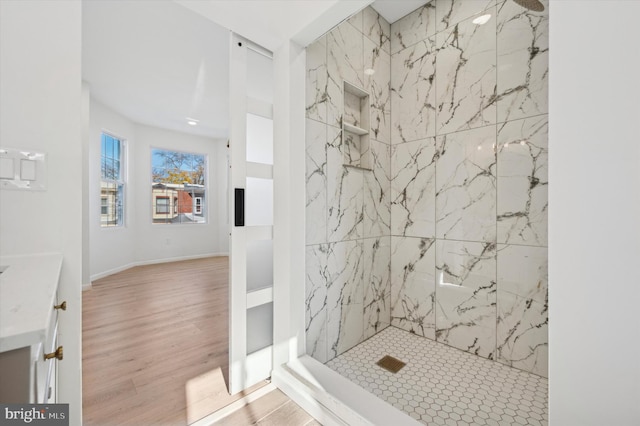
x: 442, y: 385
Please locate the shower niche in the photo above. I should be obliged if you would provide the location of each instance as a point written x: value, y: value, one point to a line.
x: 355, y: 128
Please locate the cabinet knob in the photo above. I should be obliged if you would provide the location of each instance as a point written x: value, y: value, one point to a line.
x: 62, y: 306
x: 58, y: 354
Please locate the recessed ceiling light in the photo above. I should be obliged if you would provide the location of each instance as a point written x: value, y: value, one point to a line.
x: 192, y: 121
x: 481, y: 20
x: 369, y: 71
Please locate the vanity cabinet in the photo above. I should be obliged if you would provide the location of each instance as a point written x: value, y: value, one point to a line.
x: 29, y: 350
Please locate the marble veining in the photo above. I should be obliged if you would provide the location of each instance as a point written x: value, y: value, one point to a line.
x: 316, y: 182
x: 523, y: 61
x: 523, y: 181
x: 413, y: 285
x: 523, y: 307
x: 522, y: 333
x: 466, y: 76
x: 379, y: 92
x: 377, y: 284
x: 345, y: 198
x: 413, y: 188
x: 522, y: 270
x: 446, y: 235
x: 415, y: 27
x: 466, y: 185
x: 348, y: 210
x: 377, y: 192
x: 450, y: 12
x: 345, y: 62
x: 344, y: 296
x: 376, y: 28
x: 316, y: 82
x: 466, y: 296
x: 316, y: 301
x: 413, y: 92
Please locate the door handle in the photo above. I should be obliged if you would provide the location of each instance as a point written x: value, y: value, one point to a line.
x: 239, y: 207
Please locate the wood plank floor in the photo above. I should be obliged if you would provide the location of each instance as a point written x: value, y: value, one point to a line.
x: 155, y: 344
x: 273, y: 409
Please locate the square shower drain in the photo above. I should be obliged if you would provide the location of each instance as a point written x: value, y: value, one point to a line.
x: 391, y: 364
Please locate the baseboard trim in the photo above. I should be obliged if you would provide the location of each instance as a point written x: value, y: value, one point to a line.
x: 234, y: 406
x: 150, y: 262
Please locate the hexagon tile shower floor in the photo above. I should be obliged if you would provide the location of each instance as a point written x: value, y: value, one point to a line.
x: 442, y: 385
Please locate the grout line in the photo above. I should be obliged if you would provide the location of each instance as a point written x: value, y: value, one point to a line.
x: 496, y: 150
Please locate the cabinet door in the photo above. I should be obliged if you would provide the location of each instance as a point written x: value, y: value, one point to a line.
x: 45, y: 369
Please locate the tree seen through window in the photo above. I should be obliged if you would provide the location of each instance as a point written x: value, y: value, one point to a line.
x: 178, y: 186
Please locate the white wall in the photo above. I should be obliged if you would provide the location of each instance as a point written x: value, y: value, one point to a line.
x: 110, y: 248
x: 155, y: 242
x: 40, y: 109
x: 86, y: 223
x: 140, y: 241
x: 594, y: 217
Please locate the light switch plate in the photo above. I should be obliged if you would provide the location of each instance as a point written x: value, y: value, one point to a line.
x: 22, y: 169
x: 28, y: 170
x: 7, y: 170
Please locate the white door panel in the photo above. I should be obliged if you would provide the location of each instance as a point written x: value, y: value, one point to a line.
x: 251, y: 245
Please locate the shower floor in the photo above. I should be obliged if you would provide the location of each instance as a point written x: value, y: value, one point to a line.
x: 442, y: 385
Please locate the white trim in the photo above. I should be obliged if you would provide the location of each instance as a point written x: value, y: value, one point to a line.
x: 234, y: 406
x: 332, y: 398
x: 259, y: 170
x: 259, y: 297
x: 260, y: 108
x: 237, y: 242
x: 258, y: 366
x: 151, y: 262
x: 124, y: 179
x: 289, y: 204
x: 301, y: 394
x: 261, y: 232
x: 340, y: 11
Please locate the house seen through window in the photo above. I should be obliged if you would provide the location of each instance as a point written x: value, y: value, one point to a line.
x: 112, y: 181
x: 178, y: 189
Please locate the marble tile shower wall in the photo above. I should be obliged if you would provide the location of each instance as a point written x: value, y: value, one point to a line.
x: 348, y: 211
x: 447, y: 236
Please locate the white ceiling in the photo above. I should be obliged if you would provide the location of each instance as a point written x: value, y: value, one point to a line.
x: 271, y: 22
x: 157, y: 63
x: 392, y: 10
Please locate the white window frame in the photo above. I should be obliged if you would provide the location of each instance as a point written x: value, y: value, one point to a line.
x: 121, y: 183
x: 174, y: 205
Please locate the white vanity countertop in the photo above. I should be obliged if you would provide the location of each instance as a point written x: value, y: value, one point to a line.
x: 27, y: 296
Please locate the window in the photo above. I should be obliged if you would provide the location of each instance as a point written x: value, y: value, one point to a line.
x: 178, y: 189
x: 162, y: 205
x: 112, y: 182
